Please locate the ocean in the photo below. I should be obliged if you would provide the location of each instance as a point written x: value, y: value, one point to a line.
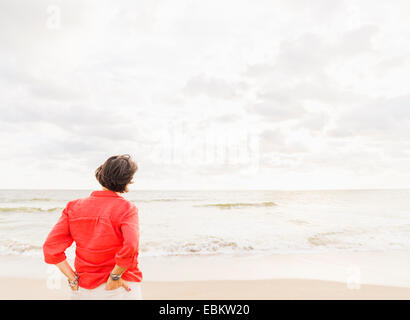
x: 199, y: 223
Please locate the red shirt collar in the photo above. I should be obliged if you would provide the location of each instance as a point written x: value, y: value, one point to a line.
x: 104, y: 193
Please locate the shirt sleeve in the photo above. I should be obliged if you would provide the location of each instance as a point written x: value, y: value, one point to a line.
x: 58, y: 240
x: 129, y: 226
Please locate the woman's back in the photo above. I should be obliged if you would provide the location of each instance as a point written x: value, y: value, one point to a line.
x: 94, y: 221
x: 105, y: 229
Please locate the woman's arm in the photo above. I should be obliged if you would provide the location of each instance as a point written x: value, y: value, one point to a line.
x: 114, y: 284
x: 66, y: 269
x: 58, y: 240
x: 129, y: 226
x: 126, y: 256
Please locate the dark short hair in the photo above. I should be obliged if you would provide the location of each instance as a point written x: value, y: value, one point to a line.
x: 116, y: 173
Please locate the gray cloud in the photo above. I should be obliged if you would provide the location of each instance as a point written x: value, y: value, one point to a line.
x: 310, y: 54
x: 324, y: 85
x: 213, y: 87
x: 381, y: 118
x: 274, y: 111
x: 275, y: 141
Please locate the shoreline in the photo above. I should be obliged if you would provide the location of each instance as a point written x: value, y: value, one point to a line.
x: 372, y: 268
x: 272, y: 289
x: 304, y: 276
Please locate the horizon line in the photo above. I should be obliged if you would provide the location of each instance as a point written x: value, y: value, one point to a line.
x: 296, y: 190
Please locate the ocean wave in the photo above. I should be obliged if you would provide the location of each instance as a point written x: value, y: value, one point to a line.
x: 239, y: 205
x: 28, y: 200
x: 336, y: 239
x: 157, y: 200
x: 299, y: 222
x: 17, y: 248
x: 203, y: 247
x: 208, y: 246
x: 29, y: 209
x: 40, y: 199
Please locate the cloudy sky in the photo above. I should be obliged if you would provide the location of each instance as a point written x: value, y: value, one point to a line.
x: 206, y: 94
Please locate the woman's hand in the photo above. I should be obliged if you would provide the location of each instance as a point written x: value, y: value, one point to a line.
x: 115, y: 284
x: 73, y: 283
x: 69, y: 273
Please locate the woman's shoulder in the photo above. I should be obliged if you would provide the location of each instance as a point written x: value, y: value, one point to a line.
x: 120, y: 208
x: 125, y: 205
x: 75, y: 202
x: 127, y: 210
x: 130, y: 206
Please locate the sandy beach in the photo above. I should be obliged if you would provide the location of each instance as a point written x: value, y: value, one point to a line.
x: 339, y: 276
x: 278, y: 289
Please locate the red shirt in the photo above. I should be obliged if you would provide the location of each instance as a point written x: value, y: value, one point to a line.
x: 105, y: 229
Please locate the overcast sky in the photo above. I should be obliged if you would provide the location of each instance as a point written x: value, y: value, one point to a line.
x: 206, y: 94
